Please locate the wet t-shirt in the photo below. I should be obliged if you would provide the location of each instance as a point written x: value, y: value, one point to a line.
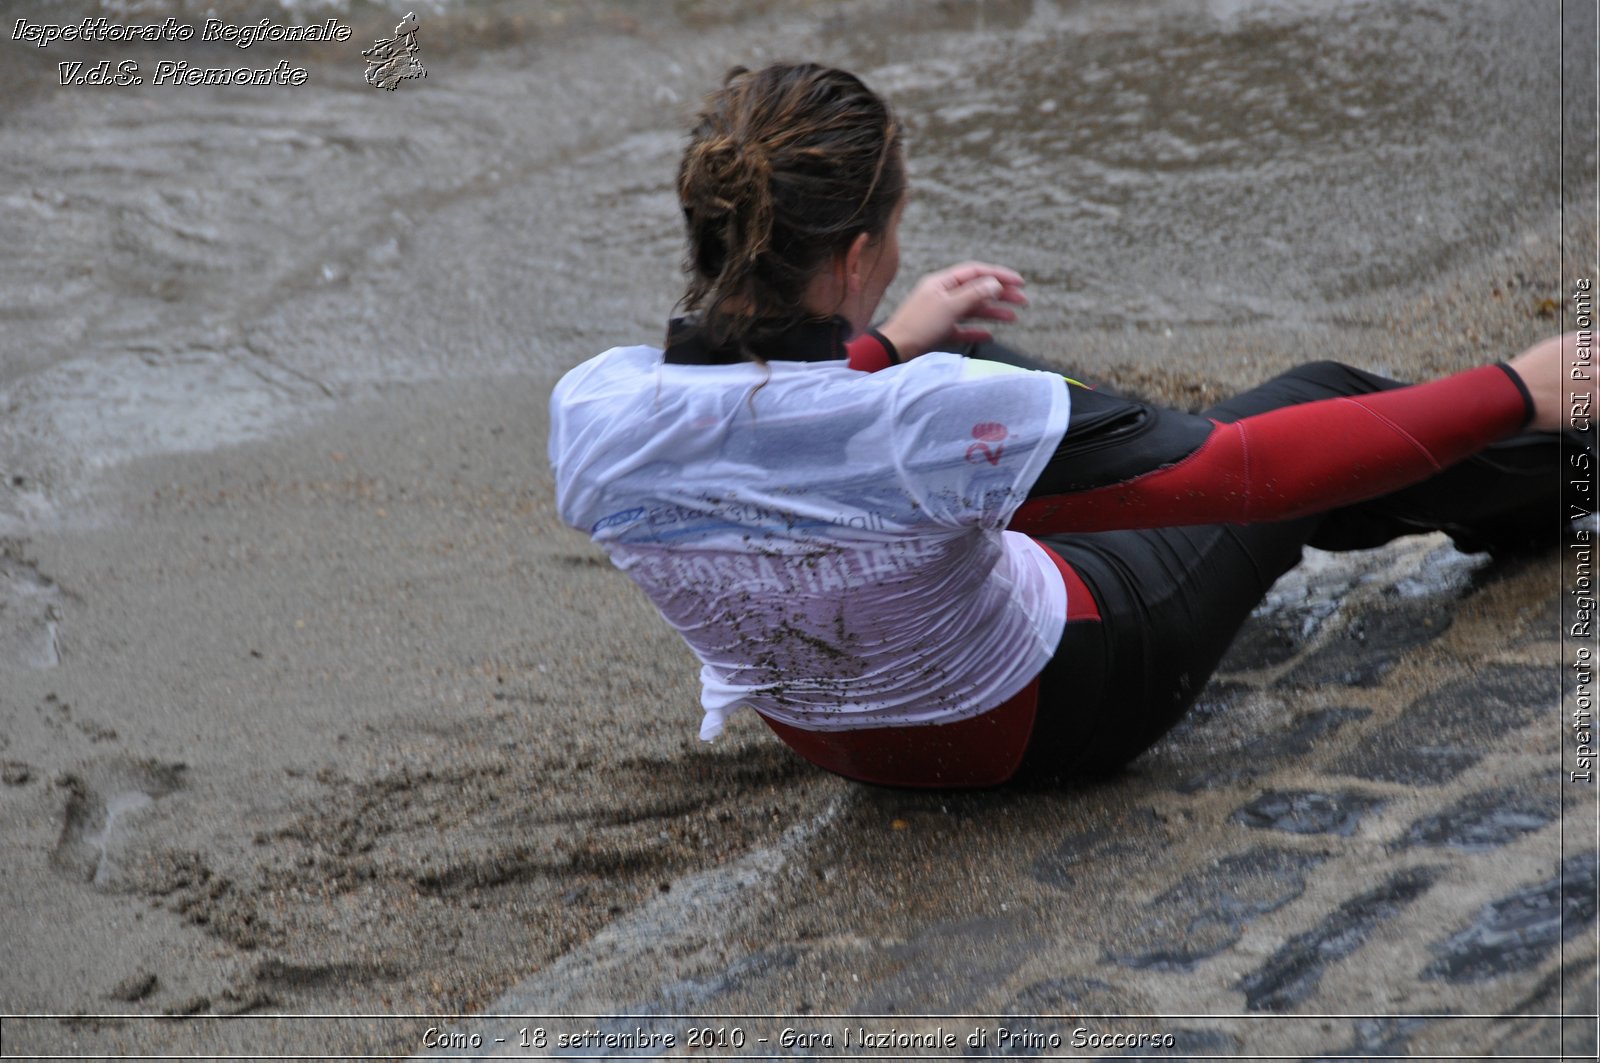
x: 830, y: 543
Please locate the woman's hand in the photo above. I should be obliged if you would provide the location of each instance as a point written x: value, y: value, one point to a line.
x: 931, y: 317
x: 1559, y: 381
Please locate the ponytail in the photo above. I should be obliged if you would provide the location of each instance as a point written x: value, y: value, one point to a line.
x: 785, y: 167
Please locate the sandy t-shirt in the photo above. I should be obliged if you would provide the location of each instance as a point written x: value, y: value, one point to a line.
x: 830, y: 543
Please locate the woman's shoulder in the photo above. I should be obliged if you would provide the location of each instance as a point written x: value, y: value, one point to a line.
x: 614, y: 359
x: 606, y: 374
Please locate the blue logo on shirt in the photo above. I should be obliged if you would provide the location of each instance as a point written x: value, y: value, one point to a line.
x: 626, y: 516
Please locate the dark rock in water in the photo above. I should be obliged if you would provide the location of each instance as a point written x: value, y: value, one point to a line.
x: 1484, y: 820
x: 1307, y: 812
x: 1500, y: 696
x: 1208, y: 909
x: 1268, y: 641
x: 1055, y: 867
x: 1119, y: 839
x: 1371, y: 645
x: 1213, y: 701
x: 1413, y: 765
x: 1267, y: 751
x: 1519, y: 931
x: 1076, y: 996
x: 1292, y: 974
x: 1432, y: 741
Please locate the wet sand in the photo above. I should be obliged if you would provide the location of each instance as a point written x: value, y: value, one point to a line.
x: 389, y: 720
x: 310, y: 704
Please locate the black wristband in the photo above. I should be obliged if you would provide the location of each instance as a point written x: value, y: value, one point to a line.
x: 1527, y: 396
x: 888, y: 348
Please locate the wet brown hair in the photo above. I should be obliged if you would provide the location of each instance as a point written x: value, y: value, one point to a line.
x: 785, y: 167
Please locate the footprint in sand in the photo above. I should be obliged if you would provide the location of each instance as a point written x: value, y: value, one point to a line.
x: 29, y: 612
x: 102, y: 800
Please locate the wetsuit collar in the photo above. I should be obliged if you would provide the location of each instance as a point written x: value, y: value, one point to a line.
x: 816, y: 340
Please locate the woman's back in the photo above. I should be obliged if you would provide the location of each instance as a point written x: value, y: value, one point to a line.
x: 829, y: 543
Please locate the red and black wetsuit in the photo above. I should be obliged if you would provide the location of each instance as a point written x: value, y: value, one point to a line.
x: 1170, y: 527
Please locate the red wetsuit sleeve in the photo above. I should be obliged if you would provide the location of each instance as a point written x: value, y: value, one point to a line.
x: 871, y: 351
x: 1302, y: 459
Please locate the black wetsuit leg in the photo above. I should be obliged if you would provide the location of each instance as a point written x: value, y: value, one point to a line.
x: 1172, y: 599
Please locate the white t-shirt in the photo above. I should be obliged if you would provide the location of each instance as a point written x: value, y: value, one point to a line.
x: 830, y: 543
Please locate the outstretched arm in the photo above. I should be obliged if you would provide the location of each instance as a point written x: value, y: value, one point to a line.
x: 1134, y: 466
x: 1123, y: 464
x: 1123, y: 468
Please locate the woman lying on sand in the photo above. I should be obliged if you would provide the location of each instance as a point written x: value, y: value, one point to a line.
x: 924, y: 562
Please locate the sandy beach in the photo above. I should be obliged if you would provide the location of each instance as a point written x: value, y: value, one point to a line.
x: 310, y: 706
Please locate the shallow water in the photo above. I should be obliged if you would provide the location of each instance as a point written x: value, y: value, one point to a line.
x: 1229, y: 162
x: 192, y: 267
